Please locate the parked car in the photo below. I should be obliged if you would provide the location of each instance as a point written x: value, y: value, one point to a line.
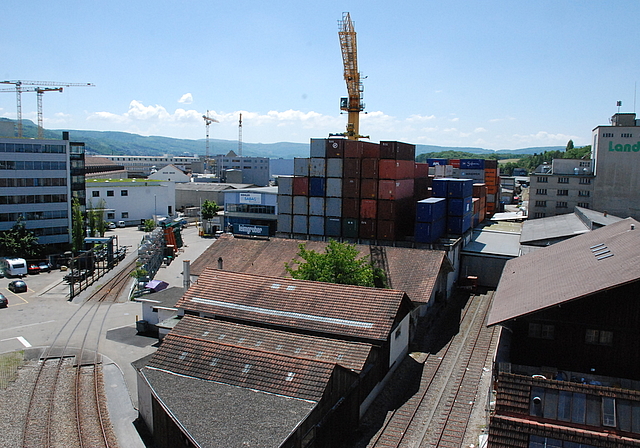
x: 121, y: 224
x: 111, y: 225
x: 17, y: 286
x: 44, y: 266
x: 33, y: 269
x: 4, y: 302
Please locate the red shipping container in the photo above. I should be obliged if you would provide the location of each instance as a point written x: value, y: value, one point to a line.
x: 368, y: 208
x: 490, y: 163
x: 421, y: 170
x: 400, y: 210
x: 351, y: 168
x: 350, y: 208
x: 388, y: 150
x: 476, y: 205
x: 395, y: 189
x: 387, y: 210
x: 369, y: 168
x: 351, y: 187
x: 335, y: 147
x: 301, y: 186
x: 479, y: 190
x: 396, y: 169
x: 386, y: 230
x: 367, y: 229
x: 369, y: 188
x: 454, y: 163
x: 353, y: 149
x: 370, y: 150
x: 422, y: 188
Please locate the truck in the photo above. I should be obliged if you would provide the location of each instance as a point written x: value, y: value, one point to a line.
x: 13, y: 267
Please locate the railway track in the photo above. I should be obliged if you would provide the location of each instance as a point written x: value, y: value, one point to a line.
x: 67, y: 406
x: 438, y: 413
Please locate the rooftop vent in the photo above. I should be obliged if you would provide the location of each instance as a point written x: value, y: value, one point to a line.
x: 275, y: 286
x: 246, y: 368
x: 290, y: 376
x: 182, y: 356
x: 214, y: 361
x: 601, y: 251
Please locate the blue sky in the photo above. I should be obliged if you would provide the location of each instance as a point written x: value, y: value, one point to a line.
x: 491, y: 74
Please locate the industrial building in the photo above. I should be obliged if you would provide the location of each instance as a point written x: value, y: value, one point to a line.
x: 251, y: 211
x: 255, y: 170
x: 142, y: 166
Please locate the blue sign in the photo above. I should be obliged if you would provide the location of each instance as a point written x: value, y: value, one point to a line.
x: 250, y: 229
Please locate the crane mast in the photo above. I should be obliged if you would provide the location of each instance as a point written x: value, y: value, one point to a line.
x: 207, y: 121
x: 353, y: 104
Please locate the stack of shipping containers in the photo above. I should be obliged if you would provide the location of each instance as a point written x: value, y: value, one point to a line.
x: 431, y: 220
x: 459, y: 196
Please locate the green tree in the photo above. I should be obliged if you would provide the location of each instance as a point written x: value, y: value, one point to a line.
x: 19, y: 242
x: 338, y: 264
x: 77, y: 226
x: 149, y: 225
x: 209, y: 209
x: 569, y: 145
x: 97, y: 224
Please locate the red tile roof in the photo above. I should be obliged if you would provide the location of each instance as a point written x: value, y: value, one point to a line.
x: 353, y: 312
x: 581, y: 266
x: 350, y: 355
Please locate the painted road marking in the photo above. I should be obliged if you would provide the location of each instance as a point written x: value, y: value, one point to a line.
x: 22, y: 340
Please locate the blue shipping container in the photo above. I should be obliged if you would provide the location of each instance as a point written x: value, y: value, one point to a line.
x: 316, y: 186
x: 431, y: 209
x: 459, y: 188
x: 434, y: 162
x: 429, y: 232
x: 472, y: 164
x: 316, y: 225
x: 440, y: 187
x: 457, y: 225
x: 460, y: 206
x: 332, y: 226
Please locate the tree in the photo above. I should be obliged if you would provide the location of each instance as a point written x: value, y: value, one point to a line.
x: 77, y: 226
x: 338, y: 264
x: 19, y: 242
x: 97, y: 224
x: 569, y: 145
x: 149, y: 225
x: 209, y: 209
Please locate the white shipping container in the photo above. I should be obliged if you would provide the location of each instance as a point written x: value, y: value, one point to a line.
x: 301, y: 166
x: 334, y: 187
x: 318, y: 147
x: 285, y: 185
x: 334, y: 167
x: 318, y: 167
x: 300, y: 205
x: 285, y: 204
x: 316, y: 206
x: 284, y: 223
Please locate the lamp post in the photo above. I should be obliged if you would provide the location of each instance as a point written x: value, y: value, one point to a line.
x: 155, y: 214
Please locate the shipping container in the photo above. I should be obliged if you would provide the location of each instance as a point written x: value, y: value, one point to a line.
x: 351, y: 187
x: 386, y: 230
x: 334, y: 187
x: 335, y: 147
x: 459, y: 206
x: 490, y: 163
x: 476, y: 175
x: 316, y: 206
x: 388, y: 150
x: 316, y: 225
x: 430, y: 210
x: 476, y: 219
x: 318, y: 147
x: 285, y: 185
x: 300, y: 186
x: 472, y: 164
x: 399, y: 210
x: 367, y: 229
x: 421, y: 170
x: 332, y: 226
x: 285, y: 204
x: 300, y: 166
x: 440, y: 162
x: 300, y: 224
x: 334, y: 167
x: 370, y: 150
x: 353, y: 149
x: 476, y: 205
x: 350, y: 227
x: 460, y: 188
x: 440, y: 187
x: 397, y: 150
x: 368, y: 208
x: 350, y: 208
x: 422, y: 188
x: 479, y: 190
x: 285, y: 223
x: 369, y: 168
x: 455, y: 163
x: 316, y: 186
x: 492, y: 189
x: 368, y: 188
x: 333, y: 207
x: 351, y: 168
x: 457, y: 225
x: 430, y: 232
x: 300, y: 205
x: 396, y: 169
x: 318, y: 167
x: 395, y: 189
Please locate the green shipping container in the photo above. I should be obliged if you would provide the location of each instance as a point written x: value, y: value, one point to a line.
x: 349, y: 228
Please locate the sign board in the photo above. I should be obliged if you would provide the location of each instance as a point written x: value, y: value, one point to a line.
x: 250, y: 198
x: 250, y: 229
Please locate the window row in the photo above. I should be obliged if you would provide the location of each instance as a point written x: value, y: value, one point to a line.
x: 251, y: 208
x: 32, y: 147
x: 51, y: 231
x: 96, y: 193
x: 112, y: 215
x: 34, y: 216
x: 548, y: 442
x: 31, y: 165
x: 37, y: 182
x: 583, y: 193
x: 591, y: 336
x: 33, y: 199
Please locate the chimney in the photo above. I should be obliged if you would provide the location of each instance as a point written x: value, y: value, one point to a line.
x: 605, y: 214
x: 633, y: 226
x: 186, y: 274
x: 220, y: 263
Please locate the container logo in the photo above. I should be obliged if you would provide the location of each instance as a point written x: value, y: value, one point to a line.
x: 624, y: 148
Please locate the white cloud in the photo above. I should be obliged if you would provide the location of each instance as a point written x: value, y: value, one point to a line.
x: 187, y: 98
x: 480, y: 129
x: 420, y: 118
x: 544, y: 138
x: 456, y: 119
x: 497, y: 120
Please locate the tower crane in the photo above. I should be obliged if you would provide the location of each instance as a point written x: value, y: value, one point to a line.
x: 240, y: 136
x: 353, y: 104
x: 207, y: 121
x: 40, y: 87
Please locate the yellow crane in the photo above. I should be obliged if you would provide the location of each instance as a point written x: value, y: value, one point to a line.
x: 40, y: 87
x: 353, y: 104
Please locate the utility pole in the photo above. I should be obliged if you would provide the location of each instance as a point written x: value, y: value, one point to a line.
x: 240, y: 136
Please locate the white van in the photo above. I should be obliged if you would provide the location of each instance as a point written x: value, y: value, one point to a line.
x: 13, y: 267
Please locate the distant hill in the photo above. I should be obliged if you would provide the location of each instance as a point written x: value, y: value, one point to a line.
x: 124, y: 143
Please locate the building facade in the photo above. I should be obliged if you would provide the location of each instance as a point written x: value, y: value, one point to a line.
x: 255, y: 170
x: 141, y: 166
x: 252, y: 210
x: 36, y: 184
x: 558, y: 188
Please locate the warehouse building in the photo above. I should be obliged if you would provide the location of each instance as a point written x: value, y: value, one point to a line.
x: 251, y: 211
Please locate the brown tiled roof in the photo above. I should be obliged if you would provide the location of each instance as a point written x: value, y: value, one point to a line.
x: 243, y: 367
x: 414, y: 271
x: 351, y: 312
x: 350, y: 355
x: 581, y: 266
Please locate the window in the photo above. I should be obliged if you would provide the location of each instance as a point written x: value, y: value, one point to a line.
x: 109, y: 192
x: 398, y: 332
x: 626, y: 135
x: 543, y: 180
x: 584, y: 193
x: 541, y: 191
x: 124, y: 193
x: 563, y: 192
x: 539, y: 215
x: 541, y: 203
x: 585, y: 164
x: 598, y: 337
x: 561, y: 204
x: 111, y: 215
x: 95, y: 194
x: 585, y: 181
x: 541, y: 331
x: 563, y: 180
x: 125, y: 215
x: 583, y: 204
x: 607, y: 134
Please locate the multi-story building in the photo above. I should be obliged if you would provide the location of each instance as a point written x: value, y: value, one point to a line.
x: 38, y: 178
x: 557, y: 188
x: 252, y: 211
x: 141, y: 166
x: 255, y: 170
x: 616, y: 149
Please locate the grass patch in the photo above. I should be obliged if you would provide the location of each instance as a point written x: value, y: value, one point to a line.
x: 9, y: 365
